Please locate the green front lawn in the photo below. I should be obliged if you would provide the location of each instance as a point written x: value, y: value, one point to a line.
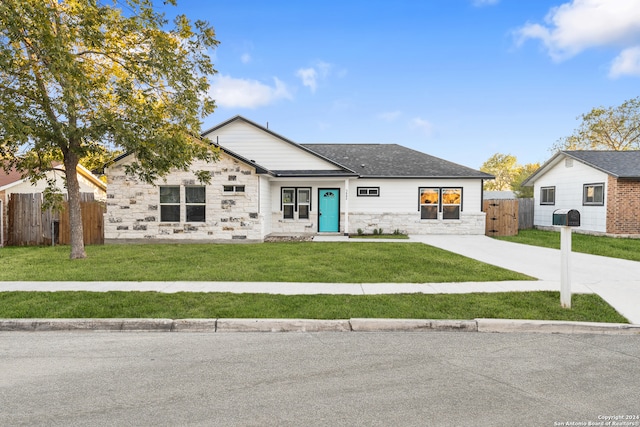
x: 185, y: 305
x: 595, y: 245
x: 332, y: 262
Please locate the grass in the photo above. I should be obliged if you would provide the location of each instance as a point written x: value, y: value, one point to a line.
x: 613, y: 247
x: 507, y: 305
x: 378, y: 236
x: 329, y: 262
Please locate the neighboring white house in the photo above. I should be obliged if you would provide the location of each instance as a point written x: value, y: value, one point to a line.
x: 604, y: 186
x: 12, y: 182
x: 265, y: 184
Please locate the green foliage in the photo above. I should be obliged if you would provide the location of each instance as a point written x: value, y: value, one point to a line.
x: 78, y: 76
x: 193, y: 305
x: 327, y: 262
x: 524, y: 172
x: 504, y: 168
x: 509, y: 175
x: 360, y: 232
x: 606, y: 128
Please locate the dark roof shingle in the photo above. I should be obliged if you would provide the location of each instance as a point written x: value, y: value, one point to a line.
x: 392, y: 161
x: 620, y: 164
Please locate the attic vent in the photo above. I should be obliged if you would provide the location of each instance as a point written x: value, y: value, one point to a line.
x: 568, y: 163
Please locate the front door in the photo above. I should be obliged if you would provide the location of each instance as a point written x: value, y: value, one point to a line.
x: 329, y: 221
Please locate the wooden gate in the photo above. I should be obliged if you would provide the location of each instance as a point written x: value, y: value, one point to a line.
x: 29, y: 225
x: 502, y: 217
x: 92, y: 224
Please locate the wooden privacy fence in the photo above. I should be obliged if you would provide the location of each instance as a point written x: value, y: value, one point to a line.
x: 29, y: 225
x: 506, y: 216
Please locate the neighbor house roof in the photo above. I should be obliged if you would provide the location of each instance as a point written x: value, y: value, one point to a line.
x: 619, y: 164
x: 15, y: 177
x: 392, y: 161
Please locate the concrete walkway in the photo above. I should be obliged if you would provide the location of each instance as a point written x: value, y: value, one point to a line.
x: 616, y: 281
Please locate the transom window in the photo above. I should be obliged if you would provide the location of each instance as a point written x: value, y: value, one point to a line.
x: 171, y: 203
x: 296, y: 203
x: 368, y: 191
x: 593, y: 194
x: 435, y: 200
x: 234, y: 188
x: 548, y: 195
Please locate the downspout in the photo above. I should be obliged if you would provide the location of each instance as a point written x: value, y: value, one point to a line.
x: 346, y: 207
x: 1, y: 224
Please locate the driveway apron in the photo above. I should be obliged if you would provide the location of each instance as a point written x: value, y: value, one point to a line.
x: 617, y: 281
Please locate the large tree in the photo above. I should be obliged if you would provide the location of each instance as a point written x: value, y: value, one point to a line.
x: 79, y: 75
x: 504, y: 167
x: 509, y: 174
x: 611, y: 128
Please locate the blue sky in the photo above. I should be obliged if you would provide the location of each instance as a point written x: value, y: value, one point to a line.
x: 458, y: 79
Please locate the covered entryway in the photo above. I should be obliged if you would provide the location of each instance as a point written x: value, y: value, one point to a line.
x: 329, y: 210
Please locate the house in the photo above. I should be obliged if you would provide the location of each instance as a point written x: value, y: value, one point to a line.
x: 12, y: 182
x: 604, y: 186
x: 265, y: 184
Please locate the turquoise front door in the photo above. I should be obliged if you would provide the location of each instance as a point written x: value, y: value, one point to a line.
x: 329, y: 221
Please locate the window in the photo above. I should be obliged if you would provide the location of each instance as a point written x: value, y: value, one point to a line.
x: 195, y: 204
x: 451, y: 203
x: 296, y: 200
x: 368, y: 191
x: 304, y: 199
x: 170, y: 203
x: 445, y: 200
x: 288, y: 202
x: 593, y: 194
x: 234, y: 188
x: 548, y: 195
x: 429, y: 203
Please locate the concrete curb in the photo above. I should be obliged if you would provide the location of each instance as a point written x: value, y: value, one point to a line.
x: 556, y: 327
x: 313, y: 325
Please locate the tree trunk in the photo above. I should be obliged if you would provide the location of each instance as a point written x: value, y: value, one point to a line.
x: 75, y: 212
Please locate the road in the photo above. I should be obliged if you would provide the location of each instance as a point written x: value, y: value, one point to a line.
x: 317, y: 379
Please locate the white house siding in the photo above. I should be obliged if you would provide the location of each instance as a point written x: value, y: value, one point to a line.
x: 569, y: 179
x: 397, y: 207
x: 267, y: 150
x: 281, y: 225
x: 265, y: 204
x: 133, y: 211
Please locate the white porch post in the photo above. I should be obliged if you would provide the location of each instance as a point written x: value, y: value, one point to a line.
x: 346, y: 207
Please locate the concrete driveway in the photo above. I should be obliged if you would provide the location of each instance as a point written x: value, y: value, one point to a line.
x: 617, y: 281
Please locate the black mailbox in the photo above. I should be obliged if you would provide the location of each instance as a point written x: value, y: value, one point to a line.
x: 567, y: 217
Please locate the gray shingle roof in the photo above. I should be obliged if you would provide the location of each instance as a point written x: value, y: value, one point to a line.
x: 392, y: 161
x: 620, y: 164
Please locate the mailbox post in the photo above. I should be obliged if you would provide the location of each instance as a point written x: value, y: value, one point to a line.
x: 565, y: 218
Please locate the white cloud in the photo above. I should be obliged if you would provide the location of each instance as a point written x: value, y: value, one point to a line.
x: 423, y: 125
x: 481, y: 3
x: 389, y: 116
x: 245, y: 93
x: 582, y: 24
x: 318, y: 72
x: 245, y: 58
x: 627, y: 63
x: 309, y: 77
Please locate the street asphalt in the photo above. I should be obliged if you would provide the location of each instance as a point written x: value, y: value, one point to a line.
x: 616, y: 281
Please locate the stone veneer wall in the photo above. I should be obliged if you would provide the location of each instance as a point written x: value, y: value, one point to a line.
x: 410, y: 223
x: 623, y: 206
x: 133, y: 207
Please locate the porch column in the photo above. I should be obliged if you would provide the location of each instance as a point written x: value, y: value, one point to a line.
x: 346, y: 207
